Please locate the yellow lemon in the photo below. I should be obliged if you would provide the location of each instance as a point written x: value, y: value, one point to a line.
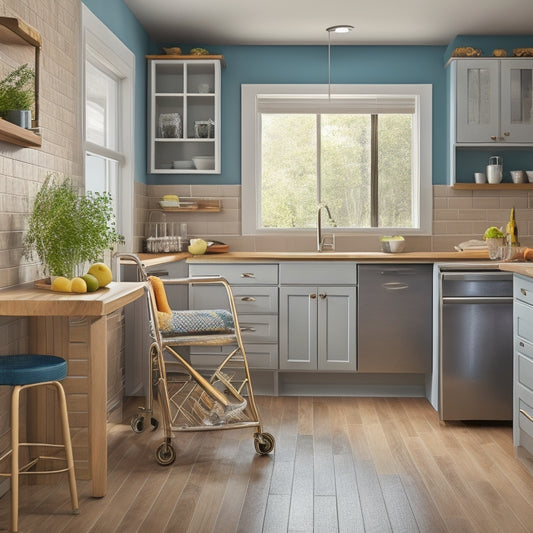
x: 91, y: 281
x: 61, y: 284
x: 102, y: 273
x: 78, y: 285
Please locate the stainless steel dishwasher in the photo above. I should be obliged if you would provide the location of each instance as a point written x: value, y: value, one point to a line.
x: 394, y: 305
x: 476, y: 345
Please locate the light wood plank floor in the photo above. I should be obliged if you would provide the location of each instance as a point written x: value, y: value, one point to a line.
x: 340, y: 464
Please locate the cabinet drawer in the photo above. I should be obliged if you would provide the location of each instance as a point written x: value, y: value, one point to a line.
x: 525, y: 417
x: 525, y: 371
x: 238, y: 274
x: 318, y: 273
x: 523, y: 289
x: 247, y: 299
x: 263, y: 356
x: 523, y: 321
x: 259, y: 328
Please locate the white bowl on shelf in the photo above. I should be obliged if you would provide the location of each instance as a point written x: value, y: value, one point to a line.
x: 182, y: 164
x: 168, y: 203
x: 529, y: 174
x: 204, y: 162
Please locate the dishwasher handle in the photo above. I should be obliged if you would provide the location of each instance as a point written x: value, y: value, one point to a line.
x: 477, y: 300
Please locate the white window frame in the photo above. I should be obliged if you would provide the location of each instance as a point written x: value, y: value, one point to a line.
x: 101, y: 45
x: 251, y: 150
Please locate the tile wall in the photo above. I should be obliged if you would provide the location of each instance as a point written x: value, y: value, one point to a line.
x: 458, y: 216
x: 22, y: 170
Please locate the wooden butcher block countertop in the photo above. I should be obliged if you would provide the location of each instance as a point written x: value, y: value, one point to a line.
x: 235, y: 257
x: 526, y: 269
x: 27, y: 300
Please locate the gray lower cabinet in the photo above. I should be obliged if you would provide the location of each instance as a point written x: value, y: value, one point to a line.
x: 137, y: 333
x: 255, y: 291
x: 523, y: 363
x: 317, y: 328
x: 317, y: 316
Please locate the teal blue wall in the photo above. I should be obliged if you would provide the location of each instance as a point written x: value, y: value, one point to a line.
x: 294, y: 64
x: 121, y: 21
x: 309, y: 64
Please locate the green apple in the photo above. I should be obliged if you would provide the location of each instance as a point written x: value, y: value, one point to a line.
x: 91, y: 281
x: 197, y: 247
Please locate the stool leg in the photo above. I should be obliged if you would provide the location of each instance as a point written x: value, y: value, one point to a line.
x: 15, y: 400
x: 68, y: 445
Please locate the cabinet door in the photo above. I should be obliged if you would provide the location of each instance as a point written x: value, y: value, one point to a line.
x: 477, y: 110
x: 337, y: 328
x: 184, y: 116
x: 517, y: 100
x: 297, y: 332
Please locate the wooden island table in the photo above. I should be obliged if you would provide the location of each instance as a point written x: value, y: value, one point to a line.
x: 74, y: 326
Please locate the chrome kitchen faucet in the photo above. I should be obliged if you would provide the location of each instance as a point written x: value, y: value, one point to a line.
x: 320, y: 244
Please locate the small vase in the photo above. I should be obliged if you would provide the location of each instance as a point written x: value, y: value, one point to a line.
x: 20, y: 117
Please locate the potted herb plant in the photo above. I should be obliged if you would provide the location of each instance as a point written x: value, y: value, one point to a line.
x: 17, y: 96
x: 67, y: 229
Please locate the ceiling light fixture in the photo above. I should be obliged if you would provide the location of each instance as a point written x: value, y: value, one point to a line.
x: 340, y: 28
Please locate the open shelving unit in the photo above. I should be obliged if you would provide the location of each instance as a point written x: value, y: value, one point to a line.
x: 14, y: 31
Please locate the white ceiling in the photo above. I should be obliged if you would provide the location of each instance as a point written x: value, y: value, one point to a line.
x: 304, y: 22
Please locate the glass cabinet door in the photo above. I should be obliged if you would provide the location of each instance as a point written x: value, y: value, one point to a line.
x: 517, y: 100
x: 477, y: 101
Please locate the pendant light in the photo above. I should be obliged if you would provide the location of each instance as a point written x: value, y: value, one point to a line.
x: 341, y: 28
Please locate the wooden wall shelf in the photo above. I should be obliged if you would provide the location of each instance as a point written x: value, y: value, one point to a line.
x: 14, y: 134
x: 14, y: 31
x: 492, y: 186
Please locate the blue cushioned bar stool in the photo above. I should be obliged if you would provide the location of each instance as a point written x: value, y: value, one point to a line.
x: 23, y: 372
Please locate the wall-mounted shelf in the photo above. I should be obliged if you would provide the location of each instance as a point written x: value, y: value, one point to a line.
x: 492, y: 186
x: 14, y: 31
x: 195, y: 205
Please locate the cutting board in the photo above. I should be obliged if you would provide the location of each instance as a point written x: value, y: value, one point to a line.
x: 217, y: 248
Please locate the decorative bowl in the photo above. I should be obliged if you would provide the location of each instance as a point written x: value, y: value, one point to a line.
x: 529, y: 174
x: 204, y: 162
x: 182, y: 164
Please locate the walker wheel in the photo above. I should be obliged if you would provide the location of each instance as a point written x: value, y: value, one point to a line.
x: 166, y: 454
x: 137, y: 423
x: 264, y: 443
x: 155, y: 423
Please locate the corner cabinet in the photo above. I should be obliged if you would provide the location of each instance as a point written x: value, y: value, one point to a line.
x: 491, y: 113
x: 184, y: 114
x: 318, y: 317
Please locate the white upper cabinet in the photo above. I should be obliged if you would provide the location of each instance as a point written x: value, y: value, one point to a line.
x: 492, y: 100
x: 184, y: 116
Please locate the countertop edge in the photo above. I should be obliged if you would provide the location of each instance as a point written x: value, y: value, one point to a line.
x: 404, y: 257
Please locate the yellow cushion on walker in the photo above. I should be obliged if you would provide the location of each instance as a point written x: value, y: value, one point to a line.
x: 165, y: 320
x: 193, y: 322
x: 160, y: 295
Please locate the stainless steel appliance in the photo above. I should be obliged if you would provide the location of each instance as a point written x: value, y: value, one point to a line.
x: 394, y: 318
x: 476, y: 345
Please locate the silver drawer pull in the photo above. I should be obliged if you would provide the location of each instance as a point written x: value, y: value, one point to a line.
x: 523, y: 291
x: 248, y: 299
x: 527, y: 415
x: 247, y: 275
x: 248, y: 328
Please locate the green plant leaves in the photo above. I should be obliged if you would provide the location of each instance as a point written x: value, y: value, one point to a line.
x: 66, y: 229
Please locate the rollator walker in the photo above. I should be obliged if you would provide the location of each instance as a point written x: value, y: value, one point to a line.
x: 188, y: 399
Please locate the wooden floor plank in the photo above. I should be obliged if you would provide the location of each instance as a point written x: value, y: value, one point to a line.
x: 398, y: 508
x: 301, y: 510
x: 350, y: 514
